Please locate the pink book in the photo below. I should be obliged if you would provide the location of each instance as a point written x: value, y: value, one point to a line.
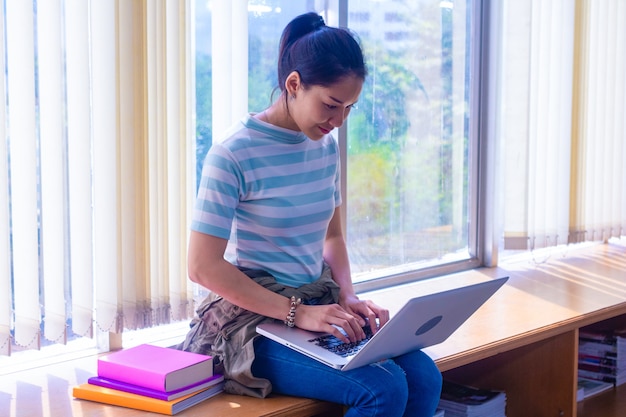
x: 155, y: 367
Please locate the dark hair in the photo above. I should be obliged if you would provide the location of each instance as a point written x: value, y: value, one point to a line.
x: 321, y: 54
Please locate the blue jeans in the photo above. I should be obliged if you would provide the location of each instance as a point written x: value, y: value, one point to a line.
x: 409, y: 385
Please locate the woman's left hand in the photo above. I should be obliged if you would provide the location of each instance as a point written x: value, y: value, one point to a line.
x: 365, y: 310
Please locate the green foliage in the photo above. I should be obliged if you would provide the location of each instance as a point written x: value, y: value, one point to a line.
x: 261, y: 75
x: 370, y: 175
x: 381, y: 113
x: 377, y: 132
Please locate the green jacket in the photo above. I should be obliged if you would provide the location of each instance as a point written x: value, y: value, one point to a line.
x: 227, y: 332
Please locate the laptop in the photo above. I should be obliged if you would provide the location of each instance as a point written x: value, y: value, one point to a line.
x: 422, y: 322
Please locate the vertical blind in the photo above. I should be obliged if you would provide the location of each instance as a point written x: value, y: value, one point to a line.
x: 560, y: 129
x: 599, y: 122
x: 96, y: 170
x: 229, y: 59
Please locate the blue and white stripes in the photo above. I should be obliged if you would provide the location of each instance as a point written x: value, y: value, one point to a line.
x: 277, y: 189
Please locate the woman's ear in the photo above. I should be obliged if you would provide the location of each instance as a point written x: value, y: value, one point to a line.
x: 293, y: 84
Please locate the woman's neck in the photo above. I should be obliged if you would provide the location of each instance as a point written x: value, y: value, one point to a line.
x: 278, y: 115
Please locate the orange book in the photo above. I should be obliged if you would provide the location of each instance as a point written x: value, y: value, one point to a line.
x: 139, y: 402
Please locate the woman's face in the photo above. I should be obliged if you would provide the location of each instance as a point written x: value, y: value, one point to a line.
x: 317, y: 110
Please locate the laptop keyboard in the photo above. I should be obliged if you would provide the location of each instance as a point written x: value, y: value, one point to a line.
x: 337, y: 346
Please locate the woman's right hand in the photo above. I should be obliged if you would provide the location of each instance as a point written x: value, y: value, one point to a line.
x: 324, y: 318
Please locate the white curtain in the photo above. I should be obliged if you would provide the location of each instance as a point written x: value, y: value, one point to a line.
x: 5, y: 244
x: 79, y: 200
x: 560, y: 124
x: 97, y: 175
x: 22, y: 226
x: 229, y: 53
x: 599, y: 122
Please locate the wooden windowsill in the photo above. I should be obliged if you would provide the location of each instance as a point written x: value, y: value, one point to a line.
x: 571, y: 290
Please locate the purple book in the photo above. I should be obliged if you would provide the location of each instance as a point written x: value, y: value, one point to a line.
x: 160, y: 395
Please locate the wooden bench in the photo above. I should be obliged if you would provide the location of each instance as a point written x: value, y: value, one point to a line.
x: 524, y: 341
x: 273, y: 406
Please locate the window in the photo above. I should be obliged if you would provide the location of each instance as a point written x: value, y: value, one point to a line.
x: 101, y: 145
x: 396, y: 36
x: 393, y: 17
x: 408, y: 145
x: 411, y: 210
x: 359, y: 16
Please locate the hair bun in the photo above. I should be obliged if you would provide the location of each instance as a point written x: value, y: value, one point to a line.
x: 320, y: 54
x: 319, y: 22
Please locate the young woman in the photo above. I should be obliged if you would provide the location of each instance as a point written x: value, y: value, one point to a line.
x: 274, y: 181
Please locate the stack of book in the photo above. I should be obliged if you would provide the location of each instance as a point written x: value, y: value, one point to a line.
x: 590, y: 387
x: 602, y: 355
x: 464, y: 401
x: 152, y: 378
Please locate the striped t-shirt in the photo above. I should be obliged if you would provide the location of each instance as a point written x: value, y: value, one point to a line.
x: 276, y: 190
